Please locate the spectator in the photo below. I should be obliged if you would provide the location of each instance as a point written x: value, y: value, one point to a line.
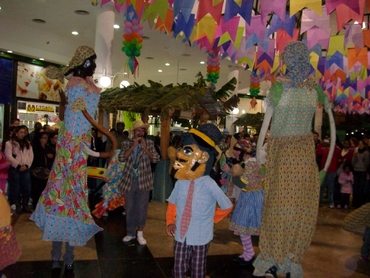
x: 172, y: 152
x: 360, y: 164
x: 331, y: 172
x: 41, y: 166
x: 18, y: 151
x: 37, y: 126
x: 137, y: 181
x: 346, y: 181
x: 4, y: 165
x: 14, y: 122
x: 120, y: 136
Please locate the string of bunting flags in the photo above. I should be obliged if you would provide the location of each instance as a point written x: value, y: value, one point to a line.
x: 253, y: 33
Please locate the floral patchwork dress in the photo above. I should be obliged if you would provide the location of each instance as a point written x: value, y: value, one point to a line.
x: 112, y: 197
x: 62, y: 212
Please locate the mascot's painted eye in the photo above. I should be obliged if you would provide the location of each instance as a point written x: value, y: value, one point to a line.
x: 188, y: 151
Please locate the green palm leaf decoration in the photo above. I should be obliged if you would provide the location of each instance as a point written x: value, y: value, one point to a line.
x: 159, y: 99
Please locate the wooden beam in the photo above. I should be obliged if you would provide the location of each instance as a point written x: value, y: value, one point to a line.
x: 165, y: 135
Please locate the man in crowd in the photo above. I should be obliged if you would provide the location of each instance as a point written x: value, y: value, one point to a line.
x: 137, y: 154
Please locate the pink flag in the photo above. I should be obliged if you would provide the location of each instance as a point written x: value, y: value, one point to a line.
x: 276, y: 6
x: 311, y: 19
x: 318, y: 36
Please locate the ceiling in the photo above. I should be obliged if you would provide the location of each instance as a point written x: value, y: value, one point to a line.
x: 54, y: 42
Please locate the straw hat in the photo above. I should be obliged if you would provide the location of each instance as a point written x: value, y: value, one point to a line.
x: 140, y: 124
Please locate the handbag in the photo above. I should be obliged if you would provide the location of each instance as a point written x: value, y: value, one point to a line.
x: 40, y: 172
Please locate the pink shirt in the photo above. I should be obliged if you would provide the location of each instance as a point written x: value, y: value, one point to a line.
x: 3, y: 167
x: 345, y: 180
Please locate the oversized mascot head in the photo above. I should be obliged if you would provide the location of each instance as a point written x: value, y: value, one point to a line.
x: 199, y: 152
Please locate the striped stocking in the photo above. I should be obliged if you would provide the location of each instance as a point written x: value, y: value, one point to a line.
x: 248, y: 251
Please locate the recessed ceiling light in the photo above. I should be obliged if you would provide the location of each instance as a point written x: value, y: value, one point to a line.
x: 167, y: 64
x: 116, y: 26
x: 82, y: 12
x: 159, y: 70
x: 37, y: 20
x: 74, y: 33
x: 42, y: 59
x: 202, y: 62
x: 9, y: 51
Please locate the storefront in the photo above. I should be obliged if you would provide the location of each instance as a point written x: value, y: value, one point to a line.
x: 37, y: 96
x: 31, y: 112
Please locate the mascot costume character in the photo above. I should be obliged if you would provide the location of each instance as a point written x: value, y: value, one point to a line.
x: 191, y: 208
x: 62, y: 212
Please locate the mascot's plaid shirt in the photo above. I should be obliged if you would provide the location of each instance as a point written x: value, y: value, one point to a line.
x: 145, y: 176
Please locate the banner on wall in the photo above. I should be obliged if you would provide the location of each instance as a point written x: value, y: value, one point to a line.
x: 32, y: 83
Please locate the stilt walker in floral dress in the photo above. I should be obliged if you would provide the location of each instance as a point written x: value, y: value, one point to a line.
x: 62, y: 212
x: 292, y: 182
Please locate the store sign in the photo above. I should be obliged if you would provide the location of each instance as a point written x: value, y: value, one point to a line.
x: 36, y: 108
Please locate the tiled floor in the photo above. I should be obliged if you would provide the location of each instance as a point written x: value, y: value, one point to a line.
x: 333, y: 252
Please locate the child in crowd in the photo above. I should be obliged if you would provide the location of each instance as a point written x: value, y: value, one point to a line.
x: 247, y: 215
x: 4, y: 165
x: 239, y: 156
x: 346, y: 181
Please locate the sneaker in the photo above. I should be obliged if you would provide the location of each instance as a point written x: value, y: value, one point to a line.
x: 331, y: 206
x: 13, y: 207
x: 141, y: 240
x: 338, y: 207
x: 55, y: 264
x: 346, y: 207
x: 128, y: 239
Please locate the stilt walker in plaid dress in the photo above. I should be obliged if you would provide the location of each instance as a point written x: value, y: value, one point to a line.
x: 191, y: 208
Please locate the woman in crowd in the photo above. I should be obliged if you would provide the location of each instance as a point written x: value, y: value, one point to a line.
x: 41, y: 165
x: 360, y: 164
x: 19, y: 152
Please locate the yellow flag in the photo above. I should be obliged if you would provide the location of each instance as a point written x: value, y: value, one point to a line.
x: 297, y: 5
x: 336, y: 43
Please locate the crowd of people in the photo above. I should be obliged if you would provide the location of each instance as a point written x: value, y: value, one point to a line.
x: 347, y: 182
x: 30, y: 156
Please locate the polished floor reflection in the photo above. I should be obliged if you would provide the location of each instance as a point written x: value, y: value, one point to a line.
x: 333, y: 252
